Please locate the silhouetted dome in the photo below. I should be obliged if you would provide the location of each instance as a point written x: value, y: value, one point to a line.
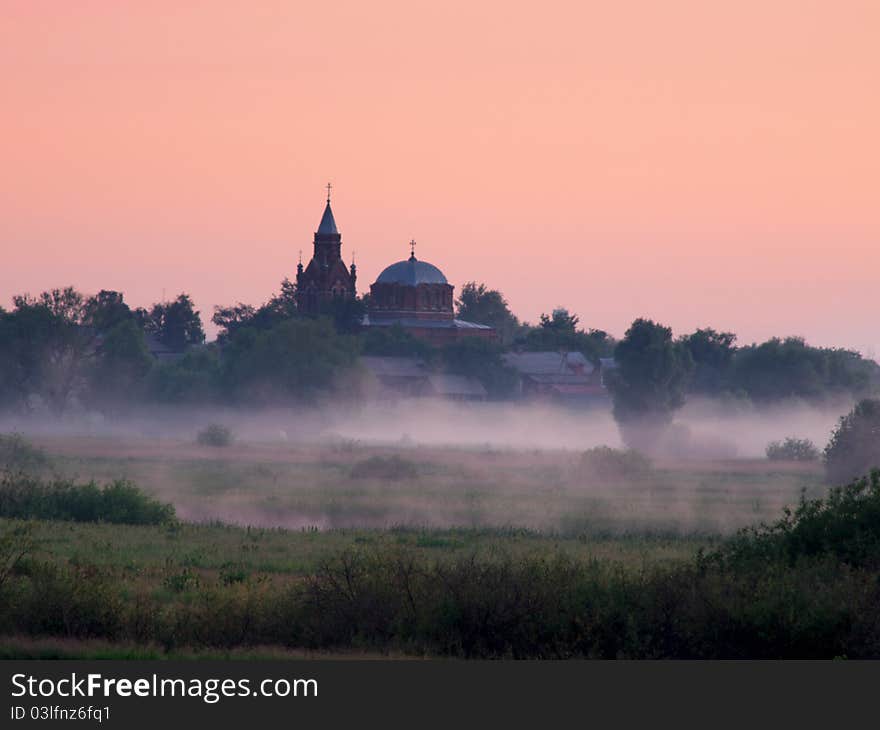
x: 411, y: 272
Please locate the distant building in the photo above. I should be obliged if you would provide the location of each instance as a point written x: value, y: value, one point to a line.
x: 409, y: 377
x: 415, y: 295
x: 160, y: 351
x: 566, y: 377
x: 326, y: 276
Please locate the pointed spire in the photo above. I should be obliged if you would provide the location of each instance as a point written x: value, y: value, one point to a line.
x: 327, y: 226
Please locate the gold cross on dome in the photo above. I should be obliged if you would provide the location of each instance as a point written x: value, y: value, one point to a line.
x: 412, y: 248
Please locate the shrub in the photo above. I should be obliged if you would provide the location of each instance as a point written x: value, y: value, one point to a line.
x: 792, y: 449
x: 392, y: 468
x: 215, y: 435
x: 26, y: 497
x: 854, y: 448
x: 844, y: 525
x: 604, y: 462
x: 17, y: 454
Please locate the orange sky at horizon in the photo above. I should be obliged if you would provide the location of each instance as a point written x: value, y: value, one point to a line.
x: 699, y: 163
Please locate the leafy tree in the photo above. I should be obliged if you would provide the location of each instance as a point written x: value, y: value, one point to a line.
x: 792, y: 449
x: 482, y: 360
x: 561, y: 321
x: 105, y: 310
x: 194, y: 378
x: 25, y: 336
x: 477, y: 303
x: 395, y: 341
x: 280, y: 306
x: 45, y: 347
x: 175, y: 324
x: 346, y: 313
x: 234, y: 317
x: 117, y: 374
x: 712, y: 353
x: 559, y: 332
x: 66, y: 305
x: 295, y: 360
x: 854, y: 448
x: 790, y: 368
x: 648, y: 385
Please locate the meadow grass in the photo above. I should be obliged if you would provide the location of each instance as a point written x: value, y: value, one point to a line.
x: 297, y: 486
x: 296, y: 550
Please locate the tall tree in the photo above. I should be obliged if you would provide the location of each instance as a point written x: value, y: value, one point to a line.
x: 280, y: 306
x: 559, y: 331
x: 477, y: 303
x: 648, y: 385
x: 176, y: 324
x: 482, y: 360
x: 105, y: 310
x: 712, y: 353
x: 117, y: 375
x: 46, y: 346
x: 295, y: 360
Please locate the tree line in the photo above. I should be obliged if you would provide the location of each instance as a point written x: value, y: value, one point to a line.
x: 63, y: 348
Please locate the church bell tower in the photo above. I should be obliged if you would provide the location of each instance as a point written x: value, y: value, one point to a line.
x: 326, y: 276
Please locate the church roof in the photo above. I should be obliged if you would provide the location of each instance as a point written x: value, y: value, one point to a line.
x: 328, y: 223
x: 378, y: 320
x: 411, y: 272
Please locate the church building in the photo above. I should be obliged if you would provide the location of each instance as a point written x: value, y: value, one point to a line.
x: 411, y: 294
x: 326, y: 277
x: 415, y: 295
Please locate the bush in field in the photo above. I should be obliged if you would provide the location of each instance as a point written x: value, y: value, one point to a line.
x: 792, y: 449
x: 854, y: 448
x: 844, y: 525
x: 607, y: 463
x: 26, y: 497
x: 392, y: 468
x: 15, y: 544
x: 215, y: 435
x: 16, y: 454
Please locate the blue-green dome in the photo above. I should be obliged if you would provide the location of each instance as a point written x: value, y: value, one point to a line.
x: 411, y: 273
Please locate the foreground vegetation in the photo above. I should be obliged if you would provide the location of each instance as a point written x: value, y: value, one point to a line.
x: 616, y: 568
x: 806, y: 586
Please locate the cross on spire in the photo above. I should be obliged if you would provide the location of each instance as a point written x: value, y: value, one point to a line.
x: 412, y: 249
x: 329, y: 187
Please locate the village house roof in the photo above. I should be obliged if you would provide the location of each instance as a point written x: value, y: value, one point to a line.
x: 160, y: 350
x: 395, y: 367
x: 409, y: 376
x: 550, y: 363
x: 456, y: 386
x: 376, y: 320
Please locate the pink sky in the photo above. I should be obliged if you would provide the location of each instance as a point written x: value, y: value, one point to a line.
x: 701, y: 163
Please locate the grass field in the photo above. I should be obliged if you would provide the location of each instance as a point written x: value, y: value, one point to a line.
x: 311, y: 486
x: 274, y: 536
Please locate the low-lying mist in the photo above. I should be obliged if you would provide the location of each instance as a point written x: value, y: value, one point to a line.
x: 440, y: 464
x: 703, y: 429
